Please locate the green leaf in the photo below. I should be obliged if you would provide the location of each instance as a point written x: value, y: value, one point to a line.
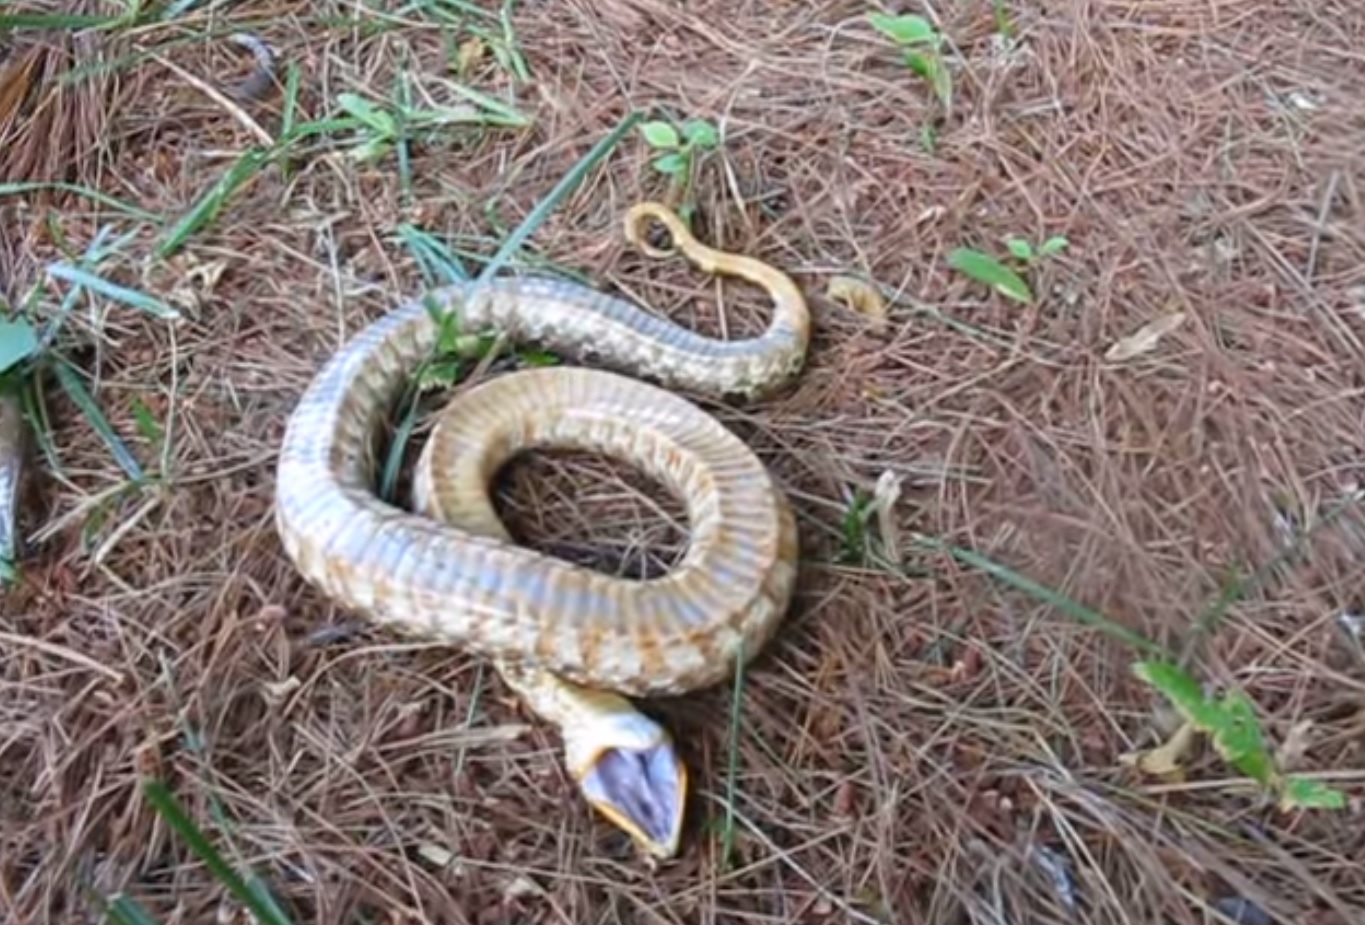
x: 660, y: 135
x: 674, y: 162
x: 147, y: 423
x: 1304, y: 793
x: 931, y: 68
x: 1182, y: 691
x: 368, y: 113
x: 1019, y: 248
x: 906, y: 29
x: 18, y: 342
x: 700, y: 133
x: 370, y: 151
x: 986, y: 269
x: 539, y: 358
x: 442, y: 373
x: 1239, y: 740
x: 920, y: 64
x: 1053, y: 245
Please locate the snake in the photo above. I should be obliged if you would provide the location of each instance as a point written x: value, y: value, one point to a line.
x: 575, y: 644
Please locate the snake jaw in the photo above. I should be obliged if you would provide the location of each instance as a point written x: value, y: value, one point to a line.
x: 628, y: 770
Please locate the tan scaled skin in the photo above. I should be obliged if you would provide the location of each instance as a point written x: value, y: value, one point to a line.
x: 572, y: 642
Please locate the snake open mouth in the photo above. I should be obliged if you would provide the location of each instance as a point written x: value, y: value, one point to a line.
x: 641, y: 792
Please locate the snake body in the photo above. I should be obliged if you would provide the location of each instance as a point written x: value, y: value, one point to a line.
x: 571, y: 640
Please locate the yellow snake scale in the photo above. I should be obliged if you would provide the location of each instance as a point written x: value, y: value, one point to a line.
x: 571, y: 640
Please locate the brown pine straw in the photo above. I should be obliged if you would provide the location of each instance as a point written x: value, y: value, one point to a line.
x: 925, y: 746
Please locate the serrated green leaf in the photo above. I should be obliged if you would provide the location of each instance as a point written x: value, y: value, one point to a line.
x: 660, y: 135
x: 905, y: 29
x: 672, y: 163
x: 700, y: 133
x: 1305, y: 793
x: 1239, y: 740
x: 1053, y: 245
x: 1182, y: 691
x: 18, y: 342
x: 1019, y: 248
x: 987, y: 270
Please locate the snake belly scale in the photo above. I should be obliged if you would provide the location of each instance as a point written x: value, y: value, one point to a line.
x: 571, y: 641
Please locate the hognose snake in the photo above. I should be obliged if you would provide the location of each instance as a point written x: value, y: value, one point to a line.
x: 573, y: 642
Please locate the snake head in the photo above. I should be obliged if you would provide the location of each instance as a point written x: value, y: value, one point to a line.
x: 629, y: 771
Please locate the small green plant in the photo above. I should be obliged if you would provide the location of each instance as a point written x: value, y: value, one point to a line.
x: 1003, y: 24
x: 679, y: 144
x: 994, y: 272
x: 1022, y: 249
x: 1231, y: 724
x: 855, y: 544
x: 679, y: 148
x: 921, y: 44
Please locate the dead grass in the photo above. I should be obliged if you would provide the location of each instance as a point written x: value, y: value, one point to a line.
x: 917, y: 747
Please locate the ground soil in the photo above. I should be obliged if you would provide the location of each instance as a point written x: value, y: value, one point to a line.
x: 924, y: 742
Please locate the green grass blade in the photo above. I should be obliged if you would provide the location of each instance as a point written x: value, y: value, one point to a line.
x: 1076, y: 611
x: 13, y: 21
x: 124, y: 911
x: 81, y: 397
x: 289, y: 116
x: 20, y: 189
x: 393, y: 461
x: 244, y: 169
x: 114, y: 291
x: 567, y: 184
x: 494, y: 110
x: 1238, y: 587
x: 266, y: 912
x: 437, y: 262
x: 732, y: 764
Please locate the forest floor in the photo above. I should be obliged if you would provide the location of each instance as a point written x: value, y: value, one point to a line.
x: 1155, y: 453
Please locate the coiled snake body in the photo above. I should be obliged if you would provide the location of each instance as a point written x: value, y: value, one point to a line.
x: 571, y: 641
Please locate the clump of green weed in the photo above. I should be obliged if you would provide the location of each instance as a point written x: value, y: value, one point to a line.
x: 1231, y: 724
